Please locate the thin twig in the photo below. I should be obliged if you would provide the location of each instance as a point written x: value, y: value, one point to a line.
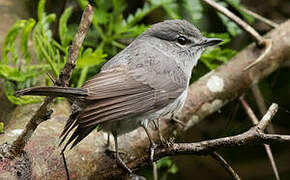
x: 248, y: 110
x: 267, y: 147
x: 260, y: 41
x: 257, y: 37
x: 261, y: 18
x: 155, y: 171
x: 254, y: 135
x: 259, y: 98
x: 226, y: 165
x: 86, y: 21
x: 44, y: 112
x: 272, y: 161
x: 41, y: 115
x: 51, y: 78
x: 261, y: 104
x: 265, y: 121
x: 268, y: 46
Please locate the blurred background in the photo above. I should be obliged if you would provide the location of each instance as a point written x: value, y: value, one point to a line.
x: 35, y: 36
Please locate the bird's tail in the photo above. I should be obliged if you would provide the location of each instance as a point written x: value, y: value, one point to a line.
x: 53, y: 91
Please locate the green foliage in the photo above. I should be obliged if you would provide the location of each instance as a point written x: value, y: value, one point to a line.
x: 16, y: 66
x: 231, y: 26
x: 213, y: 57
x: 238, y: 6
x: 111, y: 27
x: 87, y: 59
x: 111, y: 32
x: 65, y: 38
x: 167, y: 163
x: 194, y: 8
x: 1, y: 127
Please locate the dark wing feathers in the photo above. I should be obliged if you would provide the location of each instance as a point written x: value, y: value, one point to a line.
x: 132, y: 108
x: 130, y: 102
x: 112, y: 84
x: 118, y: 95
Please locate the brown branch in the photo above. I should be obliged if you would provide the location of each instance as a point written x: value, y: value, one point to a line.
x: 205, y: 96
x: 225, y: 165
x: 267, y: 50
x: 85, y: 23
x: 155, y: 171
x: 259, y: 17
x: 253, y: 136
x: 259, y: 99
x: 257, y: 37
x: 261, y: 103
x: 261, y: 42
x: 267, y: 147
x: 44, y: 110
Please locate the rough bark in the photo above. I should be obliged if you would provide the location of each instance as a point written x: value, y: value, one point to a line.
x: 208, y: 94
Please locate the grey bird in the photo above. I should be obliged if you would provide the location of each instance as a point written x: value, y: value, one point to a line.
x: 145, y: 81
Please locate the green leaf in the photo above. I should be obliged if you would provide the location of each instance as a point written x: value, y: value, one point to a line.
x: 213, y: 57
x: 140, y: 14
x: 90, y: 58
x: 83, y: 3
x: 41, y: 9
x: 171, y: 8
x: 24, y: 38
x: 63, y: 30
x: 20, y: 100
x: 12, y: 74
x: 83, y: 76
x: 101, y: 16
x: 194, y: 8
x: 119, y: 6
x: 231, y: 26
x: 237, y: 5
x: 9, y: 45
x: 1, y: 127
x: 173, y: 169
x: 167, y: 162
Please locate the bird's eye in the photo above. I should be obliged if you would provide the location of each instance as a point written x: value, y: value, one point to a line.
x: 182, y: 40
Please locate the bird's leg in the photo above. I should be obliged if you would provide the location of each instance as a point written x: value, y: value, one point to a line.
x: 120, y: 162
x: 152, y: 144
x: 156, y: 124
x: 161, y: 138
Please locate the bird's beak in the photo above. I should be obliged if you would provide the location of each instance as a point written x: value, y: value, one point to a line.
x: 211, y: 42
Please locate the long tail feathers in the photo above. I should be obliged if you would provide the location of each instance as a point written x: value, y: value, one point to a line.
x: 53, y: 91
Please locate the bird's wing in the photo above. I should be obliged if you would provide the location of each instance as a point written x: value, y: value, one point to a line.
x: 121, y: 94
